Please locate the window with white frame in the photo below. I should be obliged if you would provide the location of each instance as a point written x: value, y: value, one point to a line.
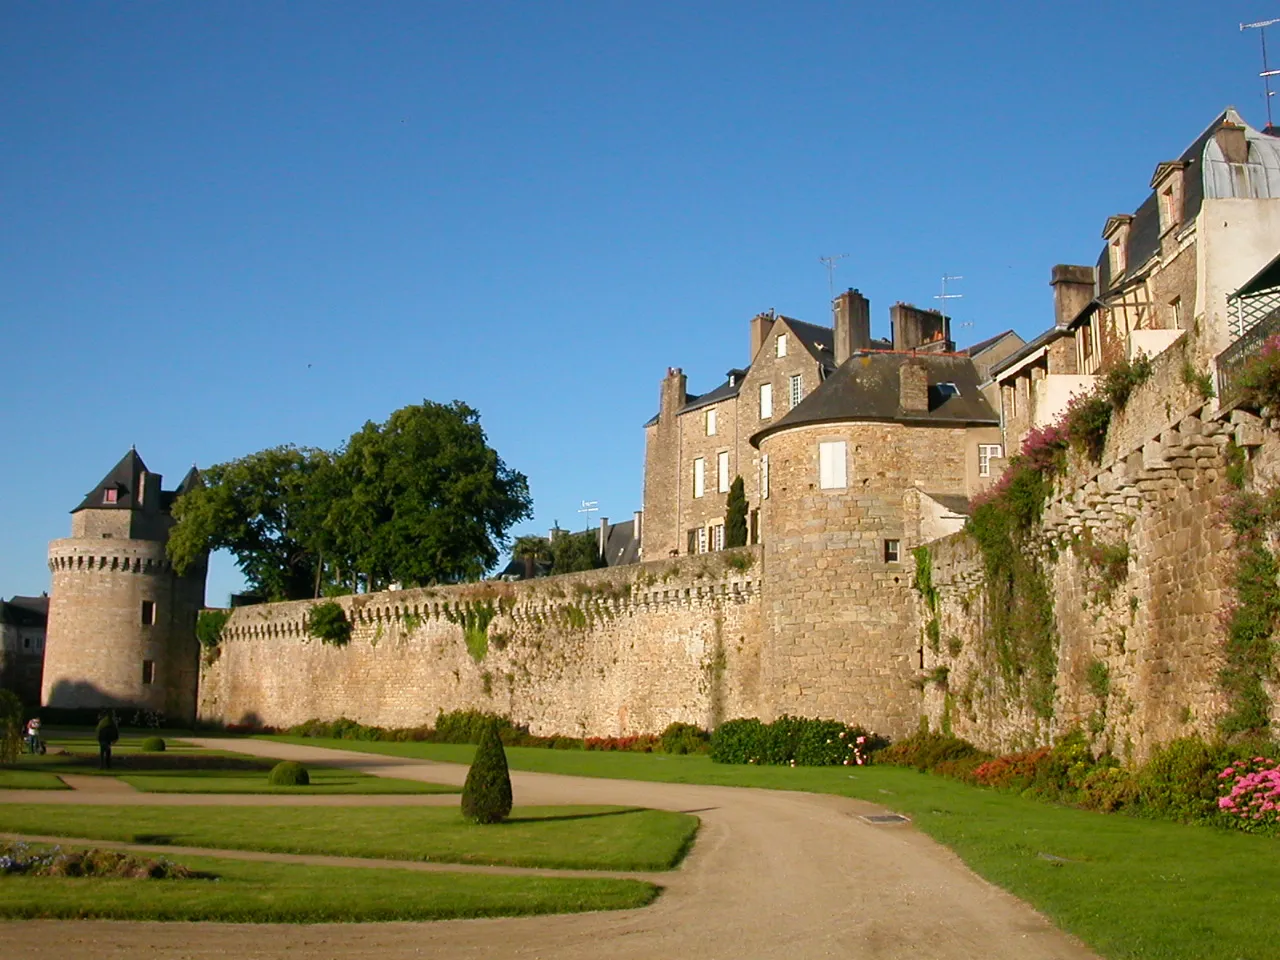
x: 702, y: 539
x: 766, y: 401
x: 782, y: 344
x: 831, y: 465
x: 986, y: 453
x: 796, y: 385
x: 717, y: 536
x: 892, y: 551
x: 711, y: 423
x: 764, y: 477
x: 722, y: 470
x: 699, y: 476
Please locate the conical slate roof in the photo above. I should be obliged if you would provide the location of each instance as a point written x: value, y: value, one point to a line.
x: 118, y: 490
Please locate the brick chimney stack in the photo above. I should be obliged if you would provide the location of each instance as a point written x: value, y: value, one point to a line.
x: 673, y: 394
x: 761, y: 327
x: 1072, y: 291
x: 604, y: 536
x: 913, y: 387
x: 851, y: 316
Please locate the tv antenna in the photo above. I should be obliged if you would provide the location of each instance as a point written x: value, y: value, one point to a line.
x: 944, y: 296
x: 1267, y: 73
x: 589, y: 507
x: 830, y: 263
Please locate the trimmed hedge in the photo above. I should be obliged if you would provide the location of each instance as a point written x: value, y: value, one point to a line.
x: 486, y: 795
x: 152, y: 745
x: 794, y: 741
x: 289, y: 773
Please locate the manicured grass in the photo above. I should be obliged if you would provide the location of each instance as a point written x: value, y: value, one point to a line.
x: 186, y: 768
x: 288, y: 893
x: 1130, y: 888
x: 323, y: 780
x: 588, y: 838
x: 17, y: 779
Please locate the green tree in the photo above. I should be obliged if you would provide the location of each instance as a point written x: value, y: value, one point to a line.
x: 531, y: 550
x: 263, y: 508
x: 735, y: 523
x: 486, y: 795
x: 426, y: 500
x: 571, y: 552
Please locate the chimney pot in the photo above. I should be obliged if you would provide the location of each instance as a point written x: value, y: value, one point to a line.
x: 851, y: 324
x: 913, y: 387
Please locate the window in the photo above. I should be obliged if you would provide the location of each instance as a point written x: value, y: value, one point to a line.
x: 948, y: 390
x: 831, y: 465
x: 702, y: 539
x: 1175, y: 312
x: 764, y: 477
x: 1013, y: 399
x: 891, y: 551
x: 766, y: 401
x: 722, y: 470
x: 699, y: 476
x: 1115, y: 253
x: 110, y: 495
x: 1168, y: 212
x: 717, y: 537
x: 797, y: 389
x: 148, y: 671
x: 711, y: 423
x: 148, y: 613
x: 782, y: 344
x: 986, y: 452
x: 755, y: 525
x: 693, y: 541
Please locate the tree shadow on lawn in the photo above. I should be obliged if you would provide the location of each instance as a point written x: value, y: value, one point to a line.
x: 626, y: 811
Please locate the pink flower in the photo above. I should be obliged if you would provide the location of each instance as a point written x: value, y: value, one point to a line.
x: 862, y: 739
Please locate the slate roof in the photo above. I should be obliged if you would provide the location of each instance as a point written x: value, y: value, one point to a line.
x: 728, y: 389
x: 25, y: 611
x: 986, y: 344
x: 952, y: 501
x: 125, y: 478
x: 620, y: 544
x: 866, y: 387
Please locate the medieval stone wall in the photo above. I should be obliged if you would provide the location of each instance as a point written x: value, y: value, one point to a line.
x: 603, y: 653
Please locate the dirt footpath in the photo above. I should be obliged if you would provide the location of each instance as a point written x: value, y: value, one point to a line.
x: 774, y: 876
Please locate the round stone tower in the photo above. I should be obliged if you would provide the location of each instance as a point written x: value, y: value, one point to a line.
x: 121, y: 627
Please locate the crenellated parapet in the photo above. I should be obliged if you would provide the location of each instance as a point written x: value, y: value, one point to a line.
x: 124, y: 556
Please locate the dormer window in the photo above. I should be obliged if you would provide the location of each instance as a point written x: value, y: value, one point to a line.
x: 1167, y: 183
x: 1116, y: 233
x: 782, y: 344
x: 110, y: 495
x: 947, y: 390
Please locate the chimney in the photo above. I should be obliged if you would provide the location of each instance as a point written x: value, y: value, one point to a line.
x: 913, y: 387
x: 761, y: 326
x: 673, y: 395
x: 637, y: 531
x: 604, y: 535
x: 852, y: 324
x: 1072, y: 291
x: 925, y: 330
x: 1232, y: 143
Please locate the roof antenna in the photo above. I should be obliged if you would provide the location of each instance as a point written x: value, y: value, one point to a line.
x: 589, y: 507
x: 830, y: 263
x: 1267, y: 73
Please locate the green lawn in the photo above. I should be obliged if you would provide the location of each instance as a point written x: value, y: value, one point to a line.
x: 1130, y: 888
x: 185, y: 768
x: 588, y: 838
x: 288, y: 893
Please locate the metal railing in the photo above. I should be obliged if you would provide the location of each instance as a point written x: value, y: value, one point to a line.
x: 1245, y: 313
x: 1231, y: 361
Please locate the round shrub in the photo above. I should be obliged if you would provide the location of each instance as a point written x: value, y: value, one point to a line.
x: 486, y: 796
x: 289, y: 773
x: 152, y: 745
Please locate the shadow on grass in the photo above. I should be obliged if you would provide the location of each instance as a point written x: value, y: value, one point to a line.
x: 154, y: 839
x: 576, y: 816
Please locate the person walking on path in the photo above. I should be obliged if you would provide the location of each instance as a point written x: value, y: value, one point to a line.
x: 108, y: 734
x: 33, y: 735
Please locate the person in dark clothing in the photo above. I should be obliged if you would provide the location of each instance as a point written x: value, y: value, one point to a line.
x: 108, y: 734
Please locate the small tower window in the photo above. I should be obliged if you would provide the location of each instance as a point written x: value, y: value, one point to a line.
x: 797, y: 389
x: 782, y: 344
x: 711, y: 423
x: 892, y: 548
x: 148, y: 613
x: 110, y: 495
x: 148, y: 671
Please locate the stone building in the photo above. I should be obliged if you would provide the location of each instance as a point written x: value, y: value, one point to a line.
x: 121, y: 629
x: 698, y: 444
x: 22, y: 634
x: 1176, y: 265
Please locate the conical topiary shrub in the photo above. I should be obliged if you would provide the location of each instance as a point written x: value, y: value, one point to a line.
x: 486, y: 796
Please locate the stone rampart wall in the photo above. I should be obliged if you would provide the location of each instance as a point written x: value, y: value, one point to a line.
x: 604, y: 653
x: 1140, y: 650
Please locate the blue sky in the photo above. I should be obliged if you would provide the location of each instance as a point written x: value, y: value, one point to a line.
x: 230, y: 225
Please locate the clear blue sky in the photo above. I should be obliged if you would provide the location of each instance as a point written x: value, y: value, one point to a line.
x: 233, y: 225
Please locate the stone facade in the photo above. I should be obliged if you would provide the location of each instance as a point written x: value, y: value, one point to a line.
x: 602, y: 653
x: 121, y: 629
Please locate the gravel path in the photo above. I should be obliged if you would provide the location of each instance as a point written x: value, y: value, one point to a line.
x: 775, y: 875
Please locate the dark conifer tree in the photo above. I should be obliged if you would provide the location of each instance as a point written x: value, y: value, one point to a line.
x: 486, y: 796
x: 735, y: 524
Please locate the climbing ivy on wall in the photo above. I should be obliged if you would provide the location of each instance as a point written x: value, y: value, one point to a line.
x: 1251, y: 621
x: 474, y: 620
x: 924, y: 586
x: 328, y: 623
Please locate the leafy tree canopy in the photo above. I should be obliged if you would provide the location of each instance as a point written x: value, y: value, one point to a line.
x: 419, y: 499
x: 571, y: 552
